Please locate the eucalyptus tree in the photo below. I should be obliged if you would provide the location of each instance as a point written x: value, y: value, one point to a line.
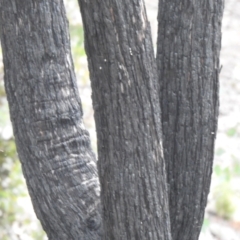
x: 156, y: 117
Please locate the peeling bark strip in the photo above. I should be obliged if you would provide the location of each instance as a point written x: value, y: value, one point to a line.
x: 127, y: 113
x: 189, y: 38
x: 45, y: 108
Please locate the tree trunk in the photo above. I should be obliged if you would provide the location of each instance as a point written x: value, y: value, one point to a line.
x: 189, y: 38
x: 127, y: 113
x: 54, y: 147
x: 45, y: 108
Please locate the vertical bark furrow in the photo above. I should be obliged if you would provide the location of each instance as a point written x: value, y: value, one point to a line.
x: 189, y: 36
x: 127, y: 113
x: 45, y: 108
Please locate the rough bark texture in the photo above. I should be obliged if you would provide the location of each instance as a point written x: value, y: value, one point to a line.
x: 189, y: 38
x: 45, y: 108
x: 127, y: 113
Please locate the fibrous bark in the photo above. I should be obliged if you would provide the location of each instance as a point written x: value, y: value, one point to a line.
x: 45, y: 108
x: 127, y: 113
x: 54, y: 147
x: 189, y: 37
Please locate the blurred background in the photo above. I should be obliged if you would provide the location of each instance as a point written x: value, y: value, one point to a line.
x: 222, y: 217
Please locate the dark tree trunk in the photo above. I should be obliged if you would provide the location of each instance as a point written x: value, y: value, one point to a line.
x: 127, y: 113
x: 45, y: 108
x: 54, y: 147
x: 189, y: 37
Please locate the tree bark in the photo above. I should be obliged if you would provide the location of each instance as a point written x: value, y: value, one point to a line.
x: 45, y: 108
x: 127, y: 114
x: 188, y: 46
x: 54, y: 147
